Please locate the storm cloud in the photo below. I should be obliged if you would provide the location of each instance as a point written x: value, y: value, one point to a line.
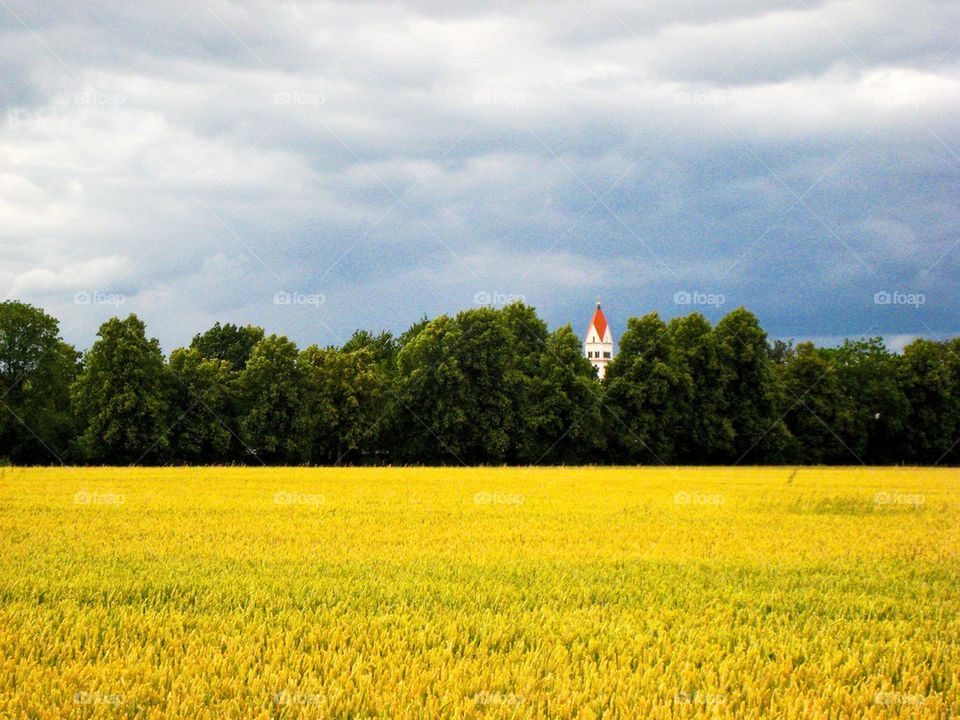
x: 320, y: 167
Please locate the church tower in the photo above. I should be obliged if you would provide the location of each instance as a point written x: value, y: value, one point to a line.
x: 598, y: 345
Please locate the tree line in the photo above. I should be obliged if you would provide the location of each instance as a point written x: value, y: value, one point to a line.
x: 487, y: 386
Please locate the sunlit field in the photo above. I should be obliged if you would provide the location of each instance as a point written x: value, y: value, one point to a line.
x: 589, y: 592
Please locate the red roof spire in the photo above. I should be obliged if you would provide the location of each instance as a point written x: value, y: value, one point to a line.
x: 599, y: 322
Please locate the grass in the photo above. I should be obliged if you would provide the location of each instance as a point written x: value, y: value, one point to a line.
x: 485, y: 592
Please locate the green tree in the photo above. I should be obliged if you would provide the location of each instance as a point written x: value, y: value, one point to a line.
x: 202, y: 397
x: 381, y: 349
x: 816, y: 415
x: 346, y: 394
x: 432, y: 416
x: 454, y: 391
x: 228, y: 342
x: 875, y: 406
x: 488, y: 386
x: 27, y: 337
x: 412, y: 332
x: 951, y: 454
x: 707, y: 433
x: 754, y: 399
x: 485, y: 356
x: 646, y: 390
x: 525, y: 342
x: 273, y: 419
x: 121, y: 396
x: 36, y: 371
x: 564, y: 413
x: 780, y: 351
x: 930, y: 386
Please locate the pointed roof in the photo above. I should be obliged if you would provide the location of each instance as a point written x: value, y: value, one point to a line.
x: 599, y: 322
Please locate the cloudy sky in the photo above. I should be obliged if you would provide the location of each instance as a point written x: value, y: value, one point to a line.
x: 319, y: 167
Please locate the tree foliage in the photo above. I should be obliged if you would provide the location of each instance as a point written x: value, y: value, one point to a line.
x: 345, y: 402
x: 647, y: 391
x: 121, y: 396
x: 272, y: 392
x: 229, y: 343
x: 487, y: 386
x: 36, y: 371
x: 203, y: 393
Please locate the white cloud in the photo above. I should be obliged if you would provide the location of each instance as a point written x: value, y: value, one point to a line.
x: 202, y: 155
x: 102, y: 274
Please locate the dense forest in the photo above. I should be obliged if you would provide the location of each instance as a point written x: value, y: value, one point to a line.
x: 488, y: 386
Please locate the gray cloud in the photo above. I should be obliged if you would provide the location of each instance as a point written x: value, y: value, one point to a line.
x: 196, y: 159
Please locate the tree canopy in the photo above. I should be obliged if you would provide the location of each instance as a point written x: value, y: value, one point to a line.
x: 486, y: 386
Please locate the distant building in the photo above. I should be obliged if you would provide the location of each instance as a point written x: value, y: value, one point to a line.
x: 598, y: 344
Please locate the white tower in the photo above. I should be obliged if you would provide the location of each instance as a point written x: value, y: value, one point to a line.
x: 598, y: 345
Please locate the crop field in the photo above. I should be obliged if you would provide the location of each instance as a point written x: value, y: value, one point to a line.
x: 480, y: 593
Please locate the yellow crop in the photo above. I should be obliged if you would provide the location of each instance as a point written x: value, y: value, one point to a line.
x: 467, y: 593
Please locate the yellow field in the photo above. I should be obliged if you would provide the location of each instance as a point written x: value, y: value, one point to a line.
x: 634, y: 593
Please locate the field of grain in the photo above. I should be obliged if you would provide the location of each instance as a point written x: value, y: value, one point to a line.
x: 462, y: 593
